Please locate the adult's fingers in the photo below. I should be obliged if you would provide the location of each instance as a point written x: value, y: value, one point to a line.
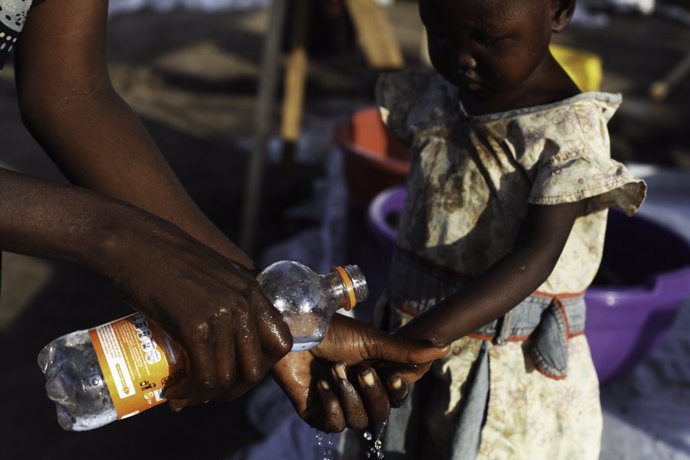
x: 177, y: 394
x: 244, y: 385
x: 179, y: 404
x: 272, y: 330
x: 250, y: 354
x: 226, y: 355
x: 237, y: 390
x: 374, y: 395
x: 201, y: 360
x: 398, y: 390
x: 211, y: 361
x: 186, y: 393
x: 332, y: 417
x: 183, y: 394
x: 350, y: 401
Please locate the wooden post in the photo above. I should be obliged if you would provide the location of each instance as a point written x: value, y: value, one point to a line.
x: 375, y: 34
x: 659, y: 90
x: 296, y: 72
x: 266, y: 93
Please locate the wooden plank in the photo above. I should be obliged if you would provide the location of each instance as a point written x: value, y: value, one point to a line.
x: 295, y: 72
x: 375, y: 34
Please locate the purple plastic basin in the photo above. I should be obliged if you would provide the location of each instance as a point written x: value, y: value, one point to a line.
x: 382, y: 211
x: 644, y: 279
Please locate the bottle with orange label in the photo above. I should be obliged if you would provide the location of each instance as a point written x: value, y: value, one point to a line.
x: 121, y: 368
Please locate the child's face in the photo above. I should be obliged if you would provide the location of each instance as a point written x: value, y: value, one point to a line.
x: 487, y: 46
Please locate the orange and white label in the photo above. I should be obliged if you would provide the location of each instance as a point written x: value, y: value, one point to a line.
x: 138, y: 361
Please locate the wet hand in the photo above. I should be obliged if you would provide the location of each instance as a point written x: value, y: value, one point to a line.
x: 210, y: 305
x: 329, y: 396
x: 333, y: 387
x: 355, y: 342
x: 398, y: 360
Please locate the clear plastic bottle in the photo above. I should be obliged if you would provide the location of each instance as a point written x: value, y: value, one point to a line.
x: 109, y: 372
x: 75, y: 382
x: 118, y: 369
x: 308, y: 300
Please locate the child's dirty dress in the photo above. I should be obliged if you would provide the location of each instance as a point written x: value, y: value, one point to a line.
x: 12, y: 17
x: 522, y: 387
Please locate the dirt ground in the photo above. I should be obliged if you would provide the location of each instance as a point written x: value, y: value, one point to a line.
x: 191, y: 76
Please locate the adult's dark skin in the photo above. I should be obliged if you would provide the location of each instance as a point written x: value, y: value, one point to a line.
x: 208, y: 302
x: 126, y: 216
x: 349, y: 393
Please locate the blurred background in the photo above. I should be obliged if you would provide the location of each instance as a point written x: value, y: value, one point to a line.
x: 262, y: 109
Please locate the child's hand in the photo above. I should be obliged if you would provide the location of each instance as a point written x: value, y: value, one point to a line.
x: 354, y: 342
x: 329, y: 397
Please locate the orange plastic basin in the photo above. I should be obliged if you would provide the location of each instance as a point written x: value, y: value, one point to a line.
x: 374, y: 159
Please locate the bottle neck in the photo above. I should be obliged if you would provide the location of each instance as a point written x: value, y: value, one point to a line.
x: 347, y: 286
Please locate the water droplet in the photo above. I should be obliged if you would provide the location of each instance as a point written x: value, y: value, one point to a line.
x: 368, y: 436
x: 376, y: 449
x: 325, y: 450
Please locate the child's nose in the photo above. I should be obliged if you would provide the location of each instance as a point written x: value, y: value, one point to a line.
x: 465, y: 61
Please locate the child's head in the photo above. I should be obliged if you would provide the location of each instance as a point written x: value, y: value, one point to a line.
x: 491, y: 46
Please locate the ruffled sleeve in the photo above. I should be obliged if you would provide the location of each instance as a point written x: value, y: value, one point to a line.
x: 399, y: 96
x: 576, y: 164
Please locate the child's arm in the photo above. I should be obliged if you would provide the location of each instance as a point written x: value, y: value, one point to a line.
x: 537, y: 248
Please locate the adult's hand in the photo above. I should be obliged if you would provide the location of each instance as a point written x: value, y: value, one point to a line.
x: 208, y: 303
x: 331, y: 397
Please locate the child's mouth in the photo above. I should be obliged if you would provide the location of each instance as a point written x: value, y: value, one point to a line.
x: 470, y: 84
x: 468, y: 79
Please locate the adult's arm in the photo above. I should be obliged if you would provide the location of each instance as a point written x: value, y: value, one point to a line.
x: 129, y: 219
x: 68, y: 103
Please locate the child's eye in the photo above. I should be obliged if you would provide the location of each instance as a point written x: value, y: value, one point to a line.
x: 490, y: 41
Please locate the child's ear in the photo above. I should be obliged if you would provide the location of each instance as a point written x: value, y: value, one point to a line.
x: 561, y: 13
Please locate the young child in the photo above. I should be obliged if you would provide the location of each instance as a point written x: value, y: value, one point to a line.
x: 502, y: 232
